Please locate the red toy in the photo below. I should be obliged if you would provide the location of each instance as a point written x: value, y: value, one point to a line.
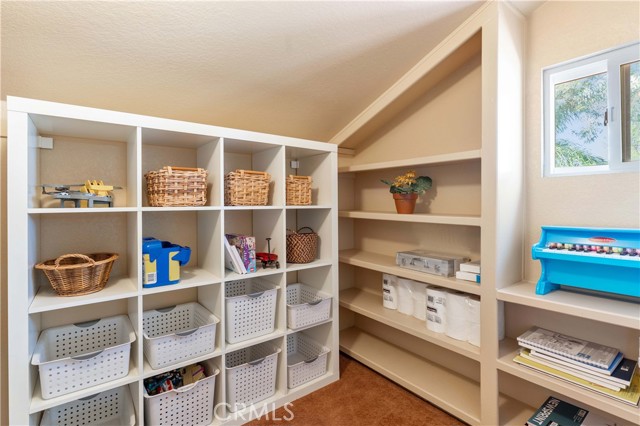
x: 268, y: 259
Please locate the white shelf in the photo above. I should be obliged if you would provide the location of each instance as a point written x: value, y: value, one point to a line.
x: 432, y: 160
x: 190, y: 277
x: 149, y: 371
x: 452, y: 392
x: 309, y: 207
x: 180, y: 209
x: 73, y: 210
x: 314, y: 264
x: 261, y: 272
x: 48, y: 300
x: 230, y: 347
x: 598, y: 308
x: 509, y: 349
x: 232, y: 208
x: 444, y: 219
x: 370, y: 305
x: 387, y: 265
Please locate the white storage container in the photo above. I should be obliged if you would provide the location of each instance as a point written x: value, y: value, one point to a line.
x: 109, y: 408
x: 79, y: 356
x: 178, y: 333
x: 251, y: 375
x: 306, y: 306
x: 306, y: 359
x: 189, y: 405
x: 251, y: 309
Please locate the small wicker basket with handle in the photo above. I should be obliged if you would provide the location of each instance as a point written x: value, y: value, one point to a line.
x: 302, y: 247
x: 78, y: 274
x: 177, y: 187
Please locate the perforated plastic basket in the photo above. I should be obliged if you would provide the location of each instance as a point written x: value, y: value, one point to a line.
x: 109, y: 408
x: 78, y: 356
x: 251, y: 309
x: 251, y: 375
x: 189, y: 405
x: 306, y: 306
x: 306, y: 359
x: 178, y: 333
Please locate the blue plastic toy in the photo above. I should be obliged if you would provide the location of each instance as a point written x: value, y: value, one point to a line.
x: 161, y: 261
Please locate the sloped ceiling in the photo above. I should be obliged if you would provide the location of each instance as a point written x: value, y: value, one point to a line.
x: 302, y: 69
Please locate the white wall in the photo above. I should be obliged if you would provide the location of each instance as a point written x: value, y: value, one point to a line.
x: 559, y: 31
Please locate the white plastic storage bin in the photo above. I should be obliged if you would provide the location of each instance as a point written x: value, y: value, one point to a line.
x: 306, y: 359
x: 189, y: 405
x: 109, y: 408
x: 178, y: 333
x: 251, y: 375
x: 306, y: 306
x: 251, y: 309
x: 78, y: 356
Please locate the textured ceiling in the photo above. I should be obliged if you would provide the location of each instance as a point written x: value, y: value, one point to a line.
x: 301, y: 68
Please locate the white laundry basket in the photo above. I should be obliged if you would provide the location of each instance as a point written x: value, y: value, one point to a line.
x: 178, y: 333
x: 306, y: 359
x: 109, y: 408
x: 250, y: 309
x: 251, y: 375
x: 189, y: 405
x: 306, y: 306
x: 79, y: 356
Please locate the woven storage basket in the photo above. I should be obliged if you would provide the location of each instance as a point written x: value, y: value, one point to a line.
x: 302, y: 246
x: 298, y: 190
x: 78, y: 274
x: 246, y: 188
x: 177, y: 187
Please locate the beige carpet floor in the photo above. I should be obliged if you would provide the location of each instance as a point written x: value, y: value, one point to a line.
x: 360, y: 397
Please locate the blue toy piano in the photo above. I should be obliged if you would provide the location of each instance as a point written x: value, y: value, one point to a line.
x: 599, y: 259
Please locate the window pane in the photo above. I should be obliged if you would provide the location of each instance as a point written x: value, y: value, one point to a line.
x: 630, y: 87
x: 581, y: 137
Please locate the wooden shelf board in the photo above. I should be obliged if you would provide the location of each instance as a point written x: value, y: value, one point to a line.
x: 600, y: 308
x: 72, y: 210
x: 370, y: 305
x: 454, y: 393
x: 445, y: 219
x: 190, y: 277
x: 387, y: 264
x: 452, y: 158
x: 513, y: 412
x: 40, y: 404
x: 48, y: 300
x: 509, y: 349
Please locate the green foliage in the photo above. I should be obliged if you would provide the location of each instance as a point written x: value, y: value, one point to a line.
x: 408, y: 183
x: 568, y: 155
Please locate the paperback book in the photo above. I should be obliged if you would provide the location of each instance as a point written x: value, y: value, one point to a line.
x: 232, y: 259
x: 583, y: 351
x: 555, y: 412
x: 468, y: 276
x: 246, y: 246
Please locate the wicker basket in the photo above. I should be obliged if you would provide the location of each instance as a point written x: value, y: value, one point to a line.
x: 78, y: 274
x: 246, y: 188
x: 298, y: 190
x: 302, y: 246
x: 177, y: 187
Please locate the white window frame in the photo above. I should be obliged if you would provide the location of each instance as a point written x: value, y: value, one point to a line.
x: 607, y: 61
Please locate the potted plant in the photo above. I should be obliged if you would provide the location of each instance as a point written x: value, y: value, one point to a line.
x: 406, y: 188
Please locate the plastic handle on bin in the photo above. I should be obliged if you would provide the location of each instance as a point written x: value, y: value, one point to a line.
x: 187, y: 332
x: 257, y: 361
x: 87, y: 356
x: 87, y: 398
x: 254, y: 295
x: 167, y: 309
x: 186, y: 388
x: 309, y: 361
x: 87, y: 323
x: 315, y: 302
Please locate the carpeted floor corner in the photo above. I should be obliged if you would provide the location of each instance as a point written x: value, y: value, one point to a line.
x: 360, y: 397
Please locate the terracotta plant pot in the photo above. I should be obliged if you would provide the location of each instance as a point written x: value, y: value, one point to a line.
x: 405, y: 203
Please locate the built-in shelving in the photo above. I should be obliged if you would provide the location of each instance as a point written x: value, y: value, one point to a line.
x: 467, y: 220
x: 441, y: 159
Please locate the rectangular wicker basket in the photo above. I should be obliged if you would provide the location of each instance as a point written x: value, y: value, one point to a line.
x: 177, y: 187
x: 246, y: 188
x: 298, y: 190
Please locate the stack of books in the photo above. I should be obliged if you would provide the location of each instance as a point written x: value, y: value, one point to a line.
x: 600, y: 368
x: 240, y: 253
x: 556, y: 412
x: 469, y: 271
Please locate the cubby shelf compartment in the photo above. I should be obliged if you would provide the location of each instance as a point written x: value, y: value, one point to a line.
x: 149, y: 371
x: 387, y: 265
x: 40, y: 404
x: 370, y: 305
x: 624, y: 313
x: 509, y: 349
x: 117, y: 288
x: 452, y: 392
x: 452, y: 158
x: 444, y: 219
